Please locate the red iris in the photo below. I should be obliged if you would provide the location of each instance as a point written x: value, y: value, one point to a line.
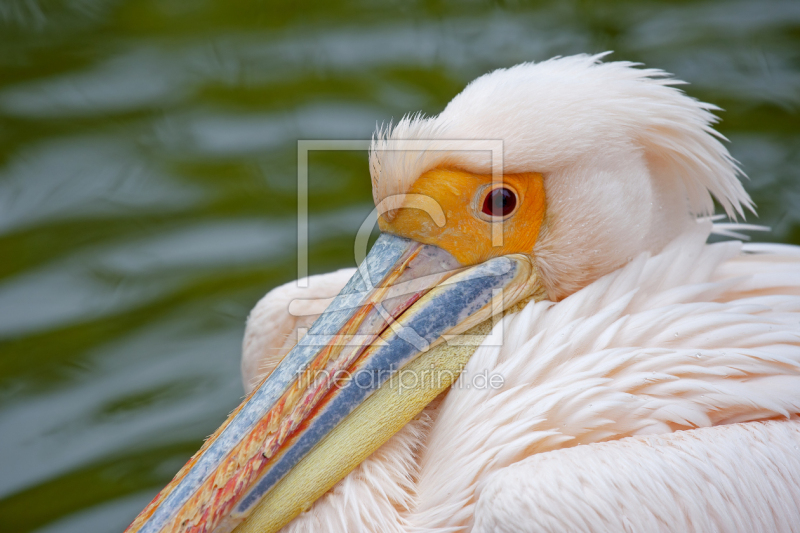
x: 500, y: 202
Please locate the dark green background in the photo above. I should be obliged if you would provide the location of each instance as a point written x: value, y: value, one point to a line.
x: 148, y: 180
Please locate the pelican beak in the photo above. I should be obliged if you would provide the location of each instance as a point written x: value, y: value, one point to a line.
x: 398, y: 305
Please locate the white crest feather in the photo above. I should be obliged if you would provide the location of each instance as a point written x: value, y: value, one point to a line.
x: 624, y: 153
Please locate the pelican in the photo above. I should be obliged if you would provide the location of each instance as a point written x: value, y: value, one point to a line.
x: 541, y: 339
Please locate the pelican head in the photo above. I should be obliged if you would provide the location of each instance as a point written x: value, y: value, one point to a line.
x: 583, y: 166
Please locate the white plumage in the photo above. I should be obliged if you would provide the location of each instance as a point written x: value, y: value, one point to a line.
x: 733, y: 478
x: 630, y: 401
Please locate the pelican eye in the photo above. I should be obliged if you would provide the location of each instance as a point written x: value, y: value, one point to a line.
x: 499, y: 203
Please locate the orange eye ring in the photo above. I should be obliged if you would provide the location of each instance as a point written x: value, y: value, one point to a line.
x: 499, y: 203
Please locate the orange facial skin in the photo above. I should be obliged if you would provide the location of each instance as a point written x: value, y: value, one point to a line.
x: 467, y: 233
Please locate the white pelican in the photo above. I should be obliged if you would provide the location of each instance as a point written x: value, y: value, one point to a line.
x: 645, y: 380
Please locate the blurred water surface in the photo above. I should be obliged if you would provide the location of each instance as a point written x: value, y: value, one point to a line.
x: 148, y: 178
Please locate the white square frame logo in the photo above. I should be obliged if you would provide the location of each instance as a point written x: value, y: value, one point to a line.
x: 494, y: 146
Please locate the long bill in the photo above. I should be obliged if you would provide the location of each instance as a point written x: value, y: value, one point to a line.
x: 404, y: 297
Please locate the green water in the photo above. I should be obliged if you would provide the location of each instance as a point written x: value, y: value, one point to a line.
x: 147, y: 191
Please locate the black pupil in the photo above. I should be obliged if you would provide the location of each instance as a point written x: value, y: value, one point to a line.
x: 500, y: 202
